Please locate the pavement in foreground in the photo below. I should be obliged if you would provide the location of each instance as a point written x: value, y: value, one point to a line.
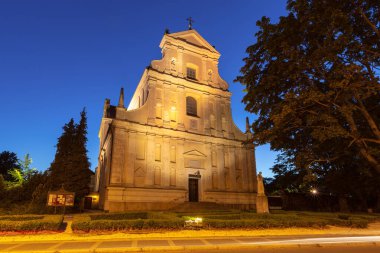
x: 226, y: 244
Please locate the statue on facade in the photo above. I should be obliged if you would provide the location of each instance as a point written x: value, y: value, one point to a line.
x: 260, y: 185
x: 261, y: 199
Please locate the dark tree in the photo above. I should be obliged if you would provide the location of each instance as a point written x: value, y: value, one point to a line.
x: 8, y: 161
x: 313, y: 81
x: 71, y: 167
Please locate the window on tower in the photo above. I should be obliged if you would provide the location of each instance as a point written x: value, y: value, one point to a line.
x: 191, y: 106
x: 191, y: 73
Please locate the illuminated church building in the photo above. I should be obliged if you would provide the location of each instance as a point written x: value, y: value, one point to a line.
x: 176, y: 142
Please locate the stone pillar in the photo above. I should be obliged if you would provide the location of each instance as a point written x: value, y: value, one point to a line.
x: 130, y: 173
x: 245, y: 168
x: 220, y: 166
x: 127, y: 162
x: 180, y: 62
x: 206, y: 113
x: 181, y: 107
x: 218, y: 117
x: 250, y: 169
x: 117, y: 163
x: 152, y: 102
x: 208, y: 166
x: 165, y: 162
x: 166, y: 105
x: 181, y: 173
x: 232, y: 168
x: 204, y: 69
x: 151, y: 146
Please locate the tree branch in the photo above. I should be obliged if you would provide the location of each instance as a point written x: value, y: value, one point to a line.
x: 373, y: 27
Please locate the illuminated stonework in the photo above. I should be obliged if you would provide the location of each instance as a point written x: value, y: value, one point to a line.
x: 176, y: 142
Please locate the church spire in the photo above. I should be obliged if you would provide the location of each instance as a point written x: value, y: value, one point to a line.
x: 247, y: 127
x: 121, y: 98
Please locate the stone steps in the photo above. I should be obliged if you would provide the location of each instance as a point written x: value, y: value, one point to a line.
x: 198, y: 206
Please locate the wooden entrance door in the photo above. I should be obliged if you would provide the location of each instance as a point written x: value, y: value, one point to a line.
x: 193, y: 190
x: 87, y: 203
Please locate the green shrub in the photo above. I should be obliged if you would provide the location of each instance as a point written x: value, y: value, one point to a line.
x: 86, y: 224
x: 81, y: 223
x: 34, y: 223
x: 223, y: 216
x: 120, y: 216
x: 343, y: 216
x: 21, y: 217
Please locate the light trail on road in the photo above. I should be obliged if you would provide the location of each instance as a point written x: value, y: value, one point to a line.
x: 327, y: 240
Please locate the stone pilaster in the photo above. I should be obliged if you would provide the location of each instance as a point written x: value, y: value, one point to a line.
x: 165, y: 162
x: 117, y: 164
x: 221, y: 167
x: 130, y: 173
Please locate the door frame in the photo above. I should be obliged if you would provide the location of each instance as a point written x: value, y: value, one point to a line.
x: 195, y: 176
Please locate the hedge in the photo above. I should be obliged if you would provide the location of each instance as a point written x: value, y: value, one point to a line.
x: 30, y: 223
x: 87, y: 223
x: 245, y: 220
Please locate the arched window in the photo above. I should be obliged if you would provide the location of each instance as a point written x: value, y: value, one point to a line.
x: 191, y: 106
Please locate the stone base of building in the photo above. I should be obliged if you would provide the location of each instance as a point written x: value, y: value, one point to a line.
x: 121, y: 199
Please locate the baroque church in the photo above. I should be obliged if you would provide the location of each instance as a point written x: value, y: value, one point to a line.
x: 176, y: 141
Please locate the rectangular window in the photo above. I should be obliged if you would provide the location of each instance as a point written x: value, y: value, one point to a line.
x: 191, y: 73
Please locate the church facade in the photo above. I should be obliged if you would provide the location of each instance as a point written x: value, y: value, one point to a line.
x: 176, y: 142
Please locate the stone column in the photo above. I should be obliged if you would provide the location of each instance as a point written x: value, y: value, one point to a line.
x: 221, y: 166
x: 208, y: 166
x: 204, y: 69
x: 166, y: 104
x: 182, y: 174
x: 151, y: 146
x: 206, y: 113
x: 218, y: 116
x: 130, y: 173
x: 232, y: 168
x: 244, y: 166
x: 251, y: 169
x: 117, y: 163
x: 165, y: 162
x: 152, y: 102
x: 181, y: 110
x: 181, y: 66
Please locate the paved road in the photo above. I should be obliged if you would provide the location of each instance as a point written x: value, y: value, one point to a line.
x: 231, y: 244
x: 308, y: 249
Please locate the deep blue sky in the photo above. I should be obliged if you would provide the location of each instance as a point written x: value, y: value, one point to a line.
x: 57, y: 57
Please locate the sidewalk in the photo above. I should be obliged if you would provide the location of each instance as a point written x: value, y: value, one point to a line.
x: 187, y: 240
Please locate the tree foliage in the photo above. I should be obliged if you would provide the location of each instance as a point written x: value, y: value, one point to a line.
x: 71, y: 167
x: 22, y: 173
x: 313, y: 81
x: 8, y: 161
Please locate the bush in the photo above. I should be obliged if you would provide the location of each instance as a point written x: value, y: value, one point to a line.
x: 120, y: 216
x: 21, y: 217
x: 87, y: 223
x: 30, y: 223
x: 343, y: 216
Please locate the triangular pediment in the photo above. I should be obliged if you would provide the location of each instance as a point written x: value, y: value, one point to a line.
x: 192, y: 37
x: 194, y: 153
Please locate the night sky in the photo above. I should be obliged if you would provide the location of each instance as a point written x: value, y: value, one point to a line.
x: 57, y: 57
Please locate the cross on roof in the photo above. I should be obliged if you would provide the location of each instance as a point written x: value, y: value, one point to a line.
x: 191, y: 21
